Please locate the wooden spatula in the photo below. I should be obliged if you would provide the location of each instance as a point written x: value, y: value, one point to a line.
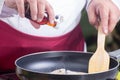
x: 100, y: 60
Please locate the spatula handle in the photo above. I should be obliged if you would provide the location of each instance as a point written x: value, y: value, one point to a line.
x: 101, y: 39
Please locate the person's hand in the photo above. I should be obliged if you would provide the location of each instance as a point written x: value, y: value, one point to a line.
x: 104, y: 13
x: 37, y: 8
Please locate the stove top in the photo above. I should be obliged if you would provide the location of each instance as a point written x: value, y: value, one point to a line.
x: 9, y: 76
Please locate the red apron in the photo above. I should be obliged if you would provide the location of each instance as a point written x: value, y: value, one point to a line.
x: 14, y: 44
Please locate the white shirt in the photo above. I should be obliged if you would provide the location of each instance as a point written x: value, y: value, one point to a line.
x: 69, y: 9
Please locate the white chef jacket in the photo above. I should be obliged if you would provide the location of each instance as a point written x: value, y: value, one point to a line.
x: 70, y: 10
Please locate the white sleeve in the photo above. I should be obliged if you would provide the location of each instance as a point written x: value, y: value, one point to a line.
x: 88, y: 2
x: 7, y: 12
x: 116, y: 2
x: 1, y: 5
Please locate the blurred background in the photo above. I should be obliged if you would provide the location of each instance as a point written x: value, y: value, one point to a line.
x: 90, y: 34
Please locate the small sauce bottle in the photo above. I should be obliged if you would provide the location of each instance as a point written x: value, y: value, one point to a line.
x: 45, y: 19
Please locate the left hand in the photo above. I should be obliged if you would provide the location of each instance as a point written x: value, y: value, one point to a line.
x: 37, y: 9
x: 104, y: 13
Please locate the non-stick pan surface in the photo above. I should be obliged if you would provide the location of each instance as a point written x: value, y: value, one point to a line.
x: 38, y: 66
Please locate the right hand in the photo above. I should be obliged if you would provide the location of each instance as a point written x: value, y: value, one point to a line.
x: 104, y: 13
x: 37, y: 8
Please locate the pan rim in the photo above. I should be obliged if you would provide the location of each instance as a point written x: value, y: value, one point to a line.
x: 45, y: 52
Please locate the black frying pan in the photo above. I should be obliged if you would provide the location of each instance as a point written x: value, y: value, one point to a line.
x: 37, y: 66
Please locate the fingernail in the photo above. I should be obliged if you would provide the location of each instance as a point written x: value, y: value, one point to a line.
x: 34, y: 18
x: 52, y: 21
x: 22, y: 15
x: 105, y: 30
x: 39, y: 19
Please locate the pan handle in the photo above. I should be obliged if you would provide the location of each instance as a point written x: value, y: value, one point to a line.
x: 115, y: 54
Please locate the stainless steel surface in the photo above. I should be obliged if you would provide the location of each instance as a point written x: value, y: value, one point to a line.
x: 115, y: 54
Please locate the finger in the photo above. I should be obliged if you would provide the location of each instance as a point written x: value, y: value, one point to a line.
x: 20, y: 7
x: 33, y: 9
x: 104, y: 18
x: 112, y: 21
x: 41, y: 10
x: 50, y: 12
x: 35, y: 25
x: 92, y: 15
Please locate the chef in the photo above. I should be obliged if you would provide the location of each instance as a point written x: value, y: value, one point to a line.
x: 20, y: 36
